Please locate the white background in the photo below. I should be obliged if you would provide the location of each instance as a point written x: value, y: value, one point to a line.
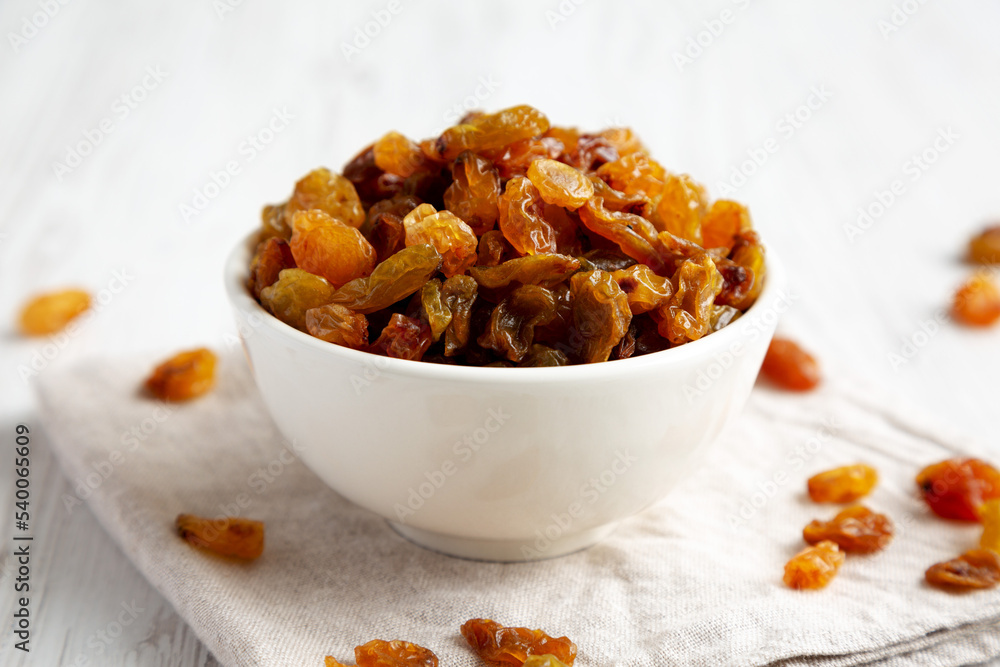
x: 890, y: 90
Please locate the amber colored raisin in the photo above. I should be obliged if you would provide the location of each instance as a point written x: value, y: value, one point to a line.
x: 434, y: 308
x: 682, y: 205
x: 49, y: 313
x: 514, y: 159
x: 501, y: 646
x: 635, y: 173
x: 403, y: 338
x: 633, y: 234
x: 272, y: 257
x: 723, y: 316
x: 511, y: 329
x: 975, y: 569
x: 567, y: 136
x: 855, y: 530
x: 543, y: 355
x: 644, y: 289
x: 560, y: 184
x: 592, y: 151
x: 395, y: 154
x: 393, y: 280
x: 328, y: 192
x: 474, y: 194
x: 459, y: 295
x: 387, y: 236
x: 325, y: 247
x: 842, y: 485
x: 989, y: 514
x: 688, y: 314
x: 749, y: 253
x: 273, y: 223
x: 977, y: 301
x: 984, y: 248
x: 451, y: 237
x: 619, y: 201
x: 381, y: 653
x: 624, y: 139
x: 601, y: 314
x: 789, y: 366
x: 545, y: 269
x: 814, y: 567
x: 491, y: 131
x: 295, y: 292
x: 336, y: 324
x: 522, y: 221
x: 371, y: 183
x: 183, y: 376
x: 723, y: 221
x: 957, y: 488
x: 737, y: 281
x: 492, y: 248
x: 228, y: 536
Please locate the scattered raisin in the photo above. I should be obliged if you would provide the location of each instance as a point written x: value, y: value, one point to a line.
x: 978, y: 568
x: 183, y: 376
x: 814, y: 567
x: 855, y: 530
x: 381, y: 653
x: 977, y: 302
x: 842, y: 485
x: 984, y: 248
x: 957, y: 488
x: 501, y: 646
x: 789, y: 366
x: 49, y: 313
x: 228, y: 536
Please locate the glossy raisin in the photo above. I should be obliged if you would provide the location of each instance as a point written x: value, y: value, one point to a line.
x: 322, y: 189
x: 451, y: 237
x: 295, y: 292
x: 52, y: 312
x: 272, y: 257
x: 403, y: 338
x: 975, y: 569
x: 336, y: 324
x: 842, y: 485
x: 855, y: 530
x: 633, y: 234
x: 688, y: 314
x: 542, y: 355
x: 814, y: 567
x: 560, y: 184
x: 397, y: 155
x: 474, y: 194
x: 393, y: 280
x: 459, y: 295
x: 501, y: 646
x: 723, y: 221
x: 325, y: 247
x: 957, y: 488
x: 183, y: 376
x: 545, y: 269
x: 492, y: 131
x: 789, y: 366
x: 682, y: 206
x: 644, y: 289
x: 511, y: 329
x: 514, y: 159
x: 522, y: 221
x: 601, y: 314
x: 381, y: 653
x: 228, y: 536
x: 493, y: 247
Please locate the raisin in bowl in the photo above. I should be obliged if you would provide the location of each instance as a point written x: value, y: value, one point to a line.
x: 501, y: 464
x: 507, y: 338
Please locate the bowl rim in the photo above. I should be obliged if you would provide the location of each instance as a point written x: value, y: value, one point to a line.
x: 236, y: 271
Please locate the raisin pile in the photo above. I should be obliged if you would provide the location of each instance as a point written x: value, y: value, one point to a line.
x: 506, y: 241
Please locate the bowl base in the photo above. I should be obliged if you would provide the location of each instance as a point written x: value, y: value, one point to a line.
x: 503, y: 551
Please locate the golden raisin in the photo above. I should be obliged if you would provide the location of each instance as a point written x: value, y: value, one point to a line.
x: 501, y: 646
x: 49, y: 313
x: 522, y: 221
x: 814, y: 567
x: 978, y: 568
x: 545, y: 269
x: 957, y: 488
x: 273, y: 256
x: 977, y: 302
x: 560, y: 184
x: 855, y: 530
x: 474, y: 194
x: 511, y: 328
x: 989, y: 514
x: 393, y: 280
x: 789, y: 366
x: 688, y: 314
x: 229, y: 536
x: 842, y: 485
x: 381, y: 653
x: 682, y: 205
x: 644, y: 289
x: 325, y: 247
x: 984, y: 248
x: 491, y: 131
x: 328, y: 192
x: 339, y: 325
x: 601, y: 314
x: 403, y: 338
x: 395, y: 154
x: 723, y: 221
x: 184, y: 376
x: 448, y: 233
x: 294, y: 293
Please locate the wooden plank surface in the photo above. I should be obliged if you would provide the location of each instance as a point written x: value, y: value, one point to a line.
x: 808, y: 111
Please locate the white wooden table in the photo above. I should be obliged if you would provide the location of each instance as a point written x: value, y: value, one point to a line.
x: 117, y: 115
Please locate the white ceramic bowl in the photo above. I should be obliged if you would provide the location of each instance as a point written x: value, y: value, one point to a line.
x: 501, y: 464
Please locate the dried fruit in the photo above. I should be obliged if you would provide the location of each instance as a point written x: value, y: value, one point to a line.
x: 984, y: 248
x: 789, y: 366
x: 688, y: 314
x: 521, y: 219
x: 514, y: 159
x: 492, y: 248
x: 749, y: 253
x: 644, y: 289
x: 228, y: 536
x: 546, y: 269
x: 957, y: 488
x: 474, y: 194
x: 723, y: 221
x: 814, y: 567
x: 975, y: 569
x: 681, y: 207
x: 380, y: 653
x: 560, y: 184
x: 49, y: 313
x: 451, y: 237
x: 295, y: 292
x: 601, y: 314
x: 183, y: 376
x: 325, y: 247
x: 273, y: 256
x: 331, y: 193
x: 403, y: 338
x: 842, y: 485
x: 492, y: 131
x: 511, y: 328
x: 397, y: 155
x: 989, y: 514
x: 977, y: 302
x: 542, y: 355
x: 459, y: 294
x: 501, y: 646
x: 336, y: 324
x: 855, y: 530
x: 393, y: 280
x: 633, y: 234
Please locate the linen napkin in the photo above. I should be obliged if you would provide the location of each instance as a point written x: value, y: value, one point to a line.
x: 694, y: 580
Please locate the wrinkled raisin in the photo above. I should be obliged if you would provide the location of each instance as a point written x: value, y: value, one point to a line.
x: 545, y: 269
x: 183, y: 376
x: 325, y: 247
x: 491, y: 131
x: 511, y: 329
x: 474, y: 194
x: 644, y: 289
x: 336, y: 324
x: 855, y: 530
x: 272, y: 257
x: 397, y: 155
x: 381, y: 653
x: 601, y: 313
x: 295, y: 292
x: 502, y: 646
x: 451, y: 237
x: 522, y: 221
x: 393, y: 280
x: 560, y: 184
x: 975, y: 569
x: 403, y: 338
x: 688, y: 314
x: 331, y: 193
x: 814, y: 567
x: 842, y: 485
